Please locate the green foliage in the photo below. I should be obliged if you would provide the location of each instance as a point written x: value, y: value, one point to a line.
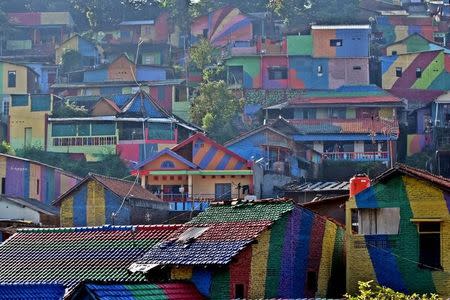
x: 69, y: 109
x: 108, y: 164
x: 369, y: 290
x: 6, y: 148
x: 203, y: 54
x: 215, y: 108
x: 71, y: 60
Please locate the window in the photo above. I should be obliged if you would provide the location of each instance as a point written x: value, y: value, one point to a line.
x: 239, y: 291
x: 373, y: 221
x: 223, y: 191
x: 336, y: 43
x: 308, y: 113
x: 11, y: 79
x: 430, y: 244
x: 394, y: 52
x: 235, y: 75
x: 6, y: 108
x: 37, y: 186
x: 418, y: 72
x: 161, y: 131
x: 3, y: 185
x: 180, y: 94
x: 205, y: 33
x: 338, y: 113
x: 167, y: 164
x: 398, y: 71
x: 356, y: 67
x: 277, y: 73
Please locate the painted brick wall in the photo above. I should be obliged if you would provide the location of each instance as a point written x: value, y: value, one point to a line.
x: 392, y: 260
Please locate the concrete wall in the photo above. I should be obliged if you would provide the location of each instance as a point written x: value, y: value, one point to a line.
x: 11, y: 210
x: 22, y: 85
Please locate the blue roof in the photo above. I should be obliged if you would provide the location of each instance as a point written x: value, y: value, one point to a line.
x: 142, y: 103
x: 31, y: 291
x: 170, y: 153
x: 120, y: 99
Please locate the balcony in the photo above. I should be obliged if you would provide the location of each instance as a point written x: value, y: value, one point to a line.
x: 356, y: 156
x: 84, y: 141
x: 179, y: 202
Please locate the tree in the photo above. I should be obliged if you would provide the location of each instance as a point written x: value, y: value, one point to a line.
x: 203, y: 54
x: 69, y: 110
x: 71, y: 60
x: 216, y: 109
x: 369, y: 290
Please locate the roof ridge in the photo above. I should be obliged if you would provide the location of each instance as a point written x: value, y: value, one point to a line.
x: 91, y: 174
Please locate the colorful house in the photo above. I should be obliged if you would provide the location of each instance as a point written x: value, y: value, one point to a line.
x: 87, y: 49
x: 195, y: 172
x: 46, y: 74
x: 28, y: 115
x: 133, y: 127
x: 398, y: 232
x: 330, y: 57
x: 36, y: 34
x: 223, y: 26
x: 23, y: 178
x: 395, y: 27
x: 17, y: 79
x: 98, y: 200
x: 253, y: 250
x: 350, y: 123
x: 69, y: 256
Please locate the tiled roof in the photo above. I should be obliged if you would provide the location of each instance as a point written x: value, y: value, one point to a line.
x: 417, y: 96
x: 327, y: 126
x: 414, y: 172
x: 120, y: 187
x: 224, y: 231
x: 70, y: 255
x: 147, y: 291
x: 329, y: 186
x: 31, y: 291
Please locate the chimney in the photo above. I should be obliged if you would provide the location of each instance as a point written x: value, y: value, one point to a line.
x: 358, y: 183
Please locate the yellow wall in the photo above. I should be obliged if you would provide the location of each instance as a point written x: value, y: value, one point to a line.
x: 22, y: 117
x: 66, y: 212
x: 21, y: 79
x: 206, y: 186
x: 70, y: 44
x: 95, y: 204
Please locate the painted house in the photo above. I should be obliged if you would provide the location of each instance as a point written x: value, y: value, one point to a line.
x: 357, y: 123
x: 36, y: 34
x: 88, y: 249
x: 89, y: 52
x: 134, y: 127
x: 440, y: 120
x: 395, y: 27
x: 196, y: 172
x: 253, y: 250
x: 23, y: 178
x: 280, y: 159
x: 17, y: 79
x: 398, y: 232
x: 27, y: 210
x: 46, y: 74
x: 28, y: 119
x: 98, y: 200
x: 330, y: 57
x: 222, y: 26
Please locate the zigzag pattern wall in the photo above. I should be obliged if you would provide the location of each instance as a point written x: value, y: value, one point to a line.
x: 223, y: 25
x: 30, y: 180
x: 396, y: 28
x: 434, y: 67
x: 301, y: 255
x: 392, y: 260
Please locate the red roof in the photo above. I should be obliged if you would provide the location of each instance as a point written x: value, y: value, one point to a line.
x: 415, y: 95
x: 346, y: 100
x: 417, y: 173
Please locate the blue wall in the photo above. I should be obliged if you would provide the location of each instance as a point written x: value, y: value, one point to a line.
x: 355, y: 43
x: 96, y: 75
x: 150, y: 73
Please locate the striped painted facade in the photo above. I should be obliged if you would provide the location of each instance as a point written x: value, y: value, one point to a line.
x: 434, y: 68
x: 299, y: 256
x: 394, y: 259
x: 28, y: 179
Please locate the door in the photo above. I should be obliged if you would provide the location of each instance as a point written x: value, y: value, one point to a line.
x: 28, y: 136
x: 223, y: 191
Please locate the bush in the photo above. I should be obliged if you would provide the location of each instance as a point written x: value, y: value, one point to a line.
x: 370, y: 290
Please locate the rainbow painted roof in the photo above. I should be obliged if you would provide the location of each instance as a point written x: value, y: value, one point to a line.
x: 69, y: 256
x: 215, y: 236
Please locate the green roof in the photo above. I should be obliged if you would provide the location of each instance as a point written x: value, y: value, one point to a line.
x: 264, y: 210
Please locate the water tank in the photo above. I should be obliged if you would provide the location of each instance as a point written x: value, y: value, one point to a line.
x: 359, y: 183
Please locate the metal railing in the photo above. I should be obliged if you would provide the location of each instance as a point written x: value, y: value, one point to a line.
x: 84, y: 141
x: 197, y: 197
x: 360, y: 156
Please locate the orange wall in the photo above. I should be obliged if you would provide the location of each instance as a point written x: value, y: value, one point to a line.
x: 321, y: 42
x: 121, y: 70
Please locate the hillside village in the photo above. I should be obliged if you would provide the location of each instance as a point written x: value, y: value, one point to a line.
x: 224, y: 149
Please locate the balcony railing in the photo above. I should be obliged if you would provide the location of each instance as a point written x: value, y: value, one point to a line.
x: 196, y: 197
x: 84, y: 141
x: 357, y: 156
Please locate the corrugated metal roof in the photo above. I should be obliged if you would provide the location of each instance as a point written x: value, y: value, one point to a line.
x: 321, y: 186
x: 340, y: 27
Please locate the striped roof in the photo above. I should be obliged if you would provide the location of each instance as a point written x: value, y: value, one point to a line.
x: 31, y: 291
x: 217, y: 235
x: 69, y: 256
x: 321, y: 186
